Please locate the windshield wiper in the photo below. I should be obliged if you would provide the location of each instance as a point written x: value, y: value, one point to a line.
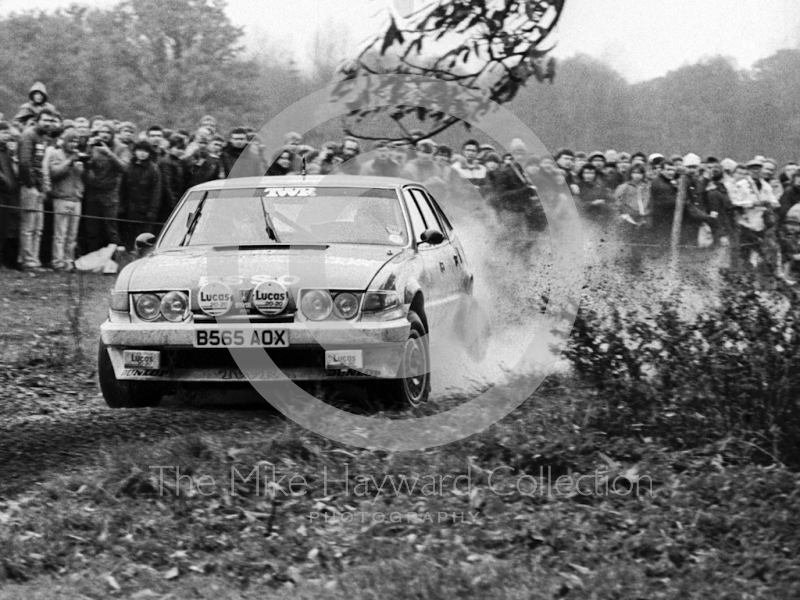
x: 270, y: 225
x: 195, y: 218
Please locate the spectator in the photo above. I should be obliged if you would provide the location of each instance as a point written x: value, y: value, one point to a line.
x: 565, y: 159
x: 469, y: 168
x: 755, y: 199
x: 444, y: 158
x: 351, y: 148
x: 423, y: 168
x: 140, y: 193
x: 210, y: 124
x: 382, y: 165
x: 101, y: 196
x: 282, y: 165
x: 789, y: 241
x: 639, y: 158
x: 623, y: 165
x: 696, y: 212
x: 66, y: 174
x: 125, y: 138
x: 598, y: 159
x: 791, y: 196
x: 215, y: 147
x: 173, y: 182
x: 580, y: 159
x: 199, y: 167
x: 715, y: 201
x: 493, y: 163
x: 9, y: 196
x: 38, y: 102
x: 664, y: 195
x: 236, y: 153
x: 593, y: 197
x: 634, y: 201
x: 768, y: 175
x: 515, y: 194
x: 33, y: 144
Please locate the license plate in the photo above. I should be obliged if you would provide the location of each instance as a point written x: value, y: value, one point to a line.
x: 344, y: 359
x: 241, y: 338
x: 142, y: 359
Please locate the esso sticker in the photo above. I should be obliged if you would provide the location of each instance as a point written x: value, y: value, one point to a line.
x: 270, y: 297
x: 215, y: 298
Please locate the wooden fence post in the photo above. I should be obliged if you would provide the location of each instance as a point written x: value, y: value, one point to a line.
x: 677, y: 222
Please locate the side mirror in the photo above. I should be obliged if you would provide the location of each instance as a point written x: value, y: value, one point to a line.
x: 432, y: 237
x: 145, y: 241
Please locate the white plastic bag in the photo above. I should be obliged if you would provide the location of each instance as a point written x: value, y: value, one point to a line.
x: 98, y: 261
x: 705, y: 237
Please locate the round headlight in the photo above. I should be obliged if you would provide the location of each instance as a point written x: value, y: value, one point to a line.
x: 316, y: 305
x: 174, y: 306
x: 346, y: 304
x: 148, y: 307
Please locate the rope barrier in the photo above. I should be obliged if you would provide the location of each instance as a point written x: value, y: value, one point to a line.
x: 82, y: 216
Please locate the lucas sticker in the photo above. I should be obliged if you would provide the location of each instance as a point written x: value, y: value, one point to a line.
x: 270, y: 297
x: 215, y: 298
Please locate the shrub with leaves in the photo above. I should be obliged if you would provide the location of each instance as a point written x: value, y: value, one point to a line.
x: 729, y: 372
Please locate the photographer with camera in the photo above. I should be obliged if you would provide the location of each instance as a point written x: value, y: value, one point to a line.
x: 66, y: 174
x: 101, y: 197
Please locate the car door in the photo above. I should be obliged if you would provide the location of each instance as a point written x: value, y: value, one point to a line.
x: 440, y: 303
x: 459, y: 274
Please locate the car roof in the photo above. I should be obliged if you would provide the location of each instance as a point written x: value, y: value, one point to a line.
x: 355, y: 181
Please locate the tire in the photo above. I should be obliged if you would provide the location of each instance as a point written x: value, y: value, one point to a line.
x: 125, y: 394
x: 412, y: 391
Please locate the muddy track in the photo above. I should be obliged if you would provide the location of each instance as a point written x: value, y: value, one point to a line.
x: 58, y: 423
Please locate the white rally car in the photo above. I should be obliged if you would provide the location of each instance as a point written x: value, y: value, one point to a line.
x: 311, y: 279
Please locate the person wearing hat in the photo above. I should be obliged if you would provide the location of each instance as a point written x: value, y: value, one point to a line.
x: 598, y: 159
x: 756, y: 217
x: 140, y: 193
x: 638, y: 158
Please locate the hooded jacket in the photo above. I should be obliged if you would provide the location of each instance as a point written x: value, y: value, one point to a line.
x: 30, y: 108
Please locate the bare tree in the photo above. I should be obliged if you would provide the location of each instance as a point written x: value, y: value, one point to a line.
x: 492, y: 47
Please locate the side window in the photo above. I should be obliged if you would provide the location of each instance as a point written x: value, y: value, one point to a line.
x: 448, y: 228
x: 417, y: 222
x: 431, y: 220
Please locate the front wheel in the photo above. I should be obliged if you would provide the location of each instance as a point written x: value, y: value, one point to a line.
x: 124, y: 394
x: 413, y: 386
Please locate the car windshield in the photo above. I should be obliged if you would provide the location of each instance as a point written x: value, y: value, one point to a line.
x: 291, y: 215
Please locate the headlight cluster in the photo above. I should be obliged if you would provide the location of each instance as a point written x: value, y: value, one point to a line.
x: 318, y: 305
x: 173, y: 306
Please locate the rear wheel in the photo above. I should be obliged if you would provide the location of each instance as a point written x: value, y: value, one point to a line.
x: 414, y: 385
x: 125, y: 394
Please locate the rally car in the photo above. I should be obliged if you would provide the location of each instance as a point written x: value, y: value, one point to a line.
x: 310, y: 279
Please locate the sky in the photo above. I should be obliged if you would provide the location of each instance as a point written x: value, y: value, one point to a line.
x: 642, y: 39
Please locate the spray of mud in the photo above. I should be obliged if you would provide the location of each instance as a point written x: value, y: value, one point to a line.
x: 512, y: 280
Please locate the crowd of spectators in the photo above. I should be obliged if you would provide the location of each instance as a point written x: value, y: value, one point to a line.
x: 72, y: 186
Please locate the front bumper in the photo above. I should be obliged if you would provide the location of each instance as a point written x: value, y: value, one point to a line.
x: 381, y: 344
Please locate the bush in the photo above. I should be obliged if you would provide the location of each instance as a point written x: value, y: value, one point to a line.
x: 732, y: 371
